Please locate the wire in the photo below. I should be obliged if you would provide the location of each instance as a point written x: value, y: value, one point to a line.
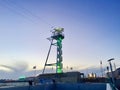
x: 15, y: 11
x: 30, y: 13
x: 23, y: 11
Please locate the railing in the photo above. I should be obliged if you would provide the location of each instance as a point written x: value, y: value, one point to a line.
x: 13, y: 84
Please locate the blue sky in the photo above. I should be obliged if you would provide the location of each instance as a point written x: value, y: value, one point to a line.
x: 92, y: 32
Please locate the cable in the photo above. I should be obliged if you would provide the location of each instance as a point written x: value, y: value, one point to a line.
x: 15, y: 11
x: 26, y: 11
x: 29, y: 12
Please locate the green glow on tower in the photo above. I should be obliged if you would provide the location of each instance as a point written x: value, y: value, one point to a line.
x: 59, y: 67
x: 58, y: 36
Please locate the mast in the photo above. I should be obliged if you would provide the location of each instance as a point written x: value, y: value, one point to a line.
x: 58, y: 36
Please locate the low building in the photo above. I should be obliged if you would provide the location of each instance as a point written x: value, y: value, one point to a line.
x: 68, y: 77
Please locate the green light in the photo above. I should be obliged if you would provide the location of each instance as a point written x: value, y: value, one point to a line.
x: 59, y: 63
x: 59, y: 70
x: 59, y: 67
x: 22, y: 77
x: 59, y: 41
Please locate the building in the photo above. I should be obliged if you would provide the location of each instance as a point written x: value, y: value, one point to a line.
x: 68, y: 77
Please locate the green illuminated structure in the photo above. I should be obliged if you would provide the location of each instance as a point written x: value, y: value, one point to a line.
x: 58, y: 36
x: 22, y: 78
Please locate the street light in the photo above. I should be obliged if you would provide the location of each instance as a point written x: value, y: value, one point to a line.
x: 110, y: 59
x: 113, y: 81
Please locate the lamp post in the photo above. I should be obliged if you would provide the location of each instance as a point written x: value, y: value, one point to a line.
x: 113, y: 81
x: 34, y: 67
x: 34, y: 79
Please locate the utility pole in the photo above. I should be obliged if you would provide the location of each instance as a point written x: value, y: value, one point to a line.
x: 113, y: 81
x: 101, y: 68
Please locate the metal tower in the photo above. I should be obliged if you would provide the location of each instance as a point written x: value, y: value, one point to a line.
x: 58, y: 36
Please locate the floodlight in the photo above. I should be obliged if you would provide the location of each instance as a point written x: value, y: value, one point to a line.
x: 110, y: 59
x: 59, y: 30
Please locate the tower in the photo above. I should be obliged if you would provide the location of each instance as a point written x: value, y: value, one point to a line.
x: 58, y: 36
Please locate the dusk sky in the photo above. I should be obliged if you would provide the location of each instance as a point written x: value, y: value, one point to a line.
x: 91, y: 29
